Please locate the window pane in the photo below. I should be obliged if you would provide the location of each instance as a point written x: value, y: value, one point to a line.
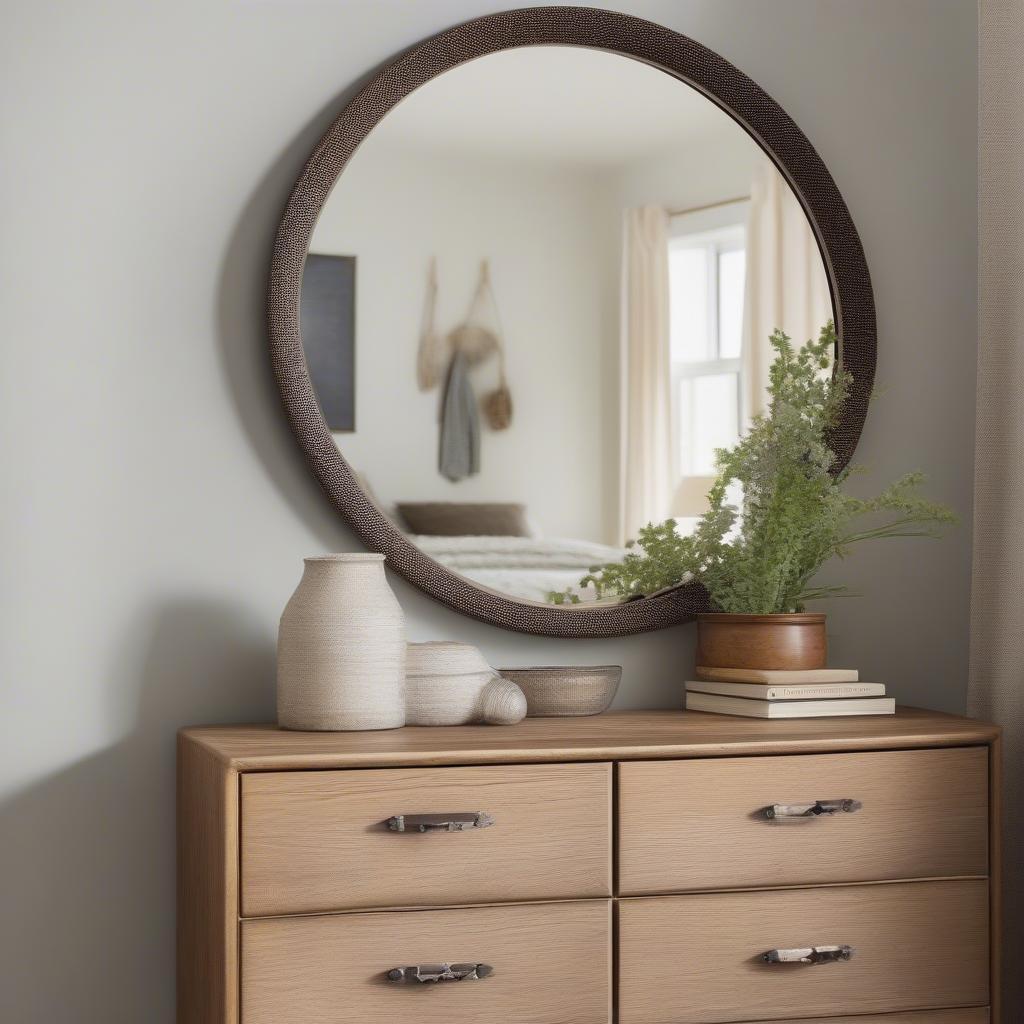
x: 688, y: 304
x: 684, y: 418
x: 714, y: 420
x: 732, y: 267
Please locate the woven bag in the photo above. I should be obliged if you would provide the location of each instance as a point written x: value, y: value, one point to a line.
x: 479, y: 338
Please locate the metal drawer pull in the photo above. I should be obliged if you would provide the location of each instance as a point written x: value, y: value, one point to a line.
x: 819, y: 807
x: 439, y: 822
x: 809, y: 955
x: 426, y: 973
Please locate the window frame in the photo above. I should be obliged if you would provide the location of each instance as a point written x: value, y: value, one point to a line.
x: 716, y: 230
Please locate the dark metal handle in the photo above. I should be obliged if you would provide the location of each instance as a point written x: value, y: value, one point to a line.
x: 424, y: 974
x: 458, y: 822
x: 808, y: 955
x: 814, y: 810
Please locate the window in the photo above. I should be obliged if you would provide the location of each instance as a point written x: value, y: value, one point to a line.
x: 707, y: 270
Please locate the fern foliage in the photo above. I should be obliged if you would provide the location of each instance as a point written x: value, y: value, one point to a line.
x: 776, y: 511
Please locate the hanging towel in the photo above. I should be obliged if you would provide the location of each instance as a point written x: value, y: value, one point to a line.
x: 460, y: 424
x: 429, y: 357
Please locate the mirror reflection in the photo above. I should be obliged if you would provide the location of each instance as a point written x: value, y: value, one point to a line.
x: 560, y: 267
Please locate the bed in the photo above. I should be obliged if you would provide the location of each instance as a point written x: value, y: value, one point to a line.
x: 528, y: 568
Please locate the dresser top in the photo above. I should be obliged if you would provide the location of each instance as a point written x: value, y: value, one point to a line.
x: 617, y: 735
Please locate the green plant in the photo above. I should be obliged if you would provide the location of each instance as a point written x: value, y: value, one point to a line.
x: 777, y: 513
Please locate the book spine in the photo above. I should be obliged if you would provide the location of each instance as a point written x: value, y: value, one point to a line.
x: 818, y: 692
x: 758, y: 691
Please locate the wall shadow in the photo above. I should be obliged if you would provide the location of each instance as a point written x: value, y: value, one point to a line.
x: 87, y: 854
x: 242, y: 332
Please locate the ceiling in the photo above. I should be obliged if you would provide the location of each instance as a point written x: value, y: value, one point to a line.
x: 557, y: 104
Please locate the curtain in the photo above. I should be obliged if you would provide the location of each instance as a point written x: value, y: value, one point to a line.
x: 646, y: 475
x: 996, y: 690
x: 786, y: 286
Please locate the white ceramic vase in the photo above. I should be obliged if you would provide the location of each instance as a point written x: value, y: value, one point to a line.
x: 341, y: 648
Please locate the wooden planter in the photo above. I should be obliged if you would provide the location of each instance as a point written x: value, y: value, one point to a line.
x: 789, y: 642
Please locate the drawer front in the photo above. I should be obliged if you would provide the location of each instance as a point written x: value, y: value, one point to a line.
x: 688, y: 825
x: 917, y: 945
x: 552, y: 965
x: 319, y: 841
x: 967, y: 1015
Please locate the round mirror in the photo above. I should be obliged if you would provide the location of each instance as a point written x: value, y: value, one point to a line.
x: 517, y: 305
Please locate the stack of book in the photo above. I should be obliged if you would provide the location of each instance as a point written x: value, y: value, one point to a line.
x: 814, y: 693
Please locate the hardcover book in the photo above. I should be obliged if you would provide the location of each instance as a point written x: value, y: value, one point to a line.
x: 806, y: 677
x: 747, y: 708
x: 804, y: 691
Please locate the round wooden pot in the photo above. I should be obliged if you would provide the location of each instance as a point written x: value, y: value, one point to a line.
x: 788, y: 642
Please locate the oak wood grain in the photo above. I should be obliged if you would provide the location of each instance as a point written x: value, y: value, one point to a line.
x: 552, y: 965
x: 207, y: 844
x: 622, y: 735
x: 694, y: 824
x: 697, y: 958
x: 964, y: 1015
x: 210, y: 759
x: 316, y: 841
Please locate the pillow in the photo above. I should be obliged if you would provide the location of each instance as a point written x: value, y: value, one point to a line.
x: 465, y: 519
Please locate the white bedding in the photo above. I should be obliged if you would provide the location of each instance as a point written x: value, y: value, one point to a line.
x: 525, y: 567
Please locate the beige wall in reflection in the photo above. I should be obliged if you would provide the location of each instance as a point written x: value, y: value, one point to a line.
x: 552, y: 233
x: 550, y: 236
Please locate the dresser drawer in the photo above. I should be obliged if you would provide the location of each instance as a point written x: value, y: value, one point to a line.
x: 699, y: 824
x: 551, y: 963
x: 320, y: 841
x: 699, y: 958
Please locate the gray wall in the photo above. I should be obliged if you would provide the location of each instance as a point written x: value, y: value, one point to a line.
x: 155, y: 509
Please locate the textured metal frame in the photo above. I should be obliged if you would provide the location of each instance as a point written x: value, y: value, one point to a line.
x: 659, y: 47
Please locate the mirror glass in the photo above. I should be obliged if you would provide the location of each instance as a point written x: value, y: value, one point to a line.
x: 539, y: 297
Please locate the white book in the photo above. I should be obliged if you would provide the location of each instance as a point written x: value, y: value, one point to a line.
x: 759, y: 691
x: 797, y: 677
x: 748, y: 708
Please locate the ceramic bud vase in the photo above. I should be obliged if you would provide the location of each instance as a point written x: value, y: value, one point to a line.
x: 341, y: 648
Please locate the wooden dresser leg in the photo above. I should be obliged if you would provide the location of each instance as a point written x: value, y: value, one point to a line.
x: 207, y: 968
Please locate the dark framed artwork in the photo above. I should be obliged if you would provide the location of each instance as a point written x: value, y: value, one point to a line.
x: 327, y: 312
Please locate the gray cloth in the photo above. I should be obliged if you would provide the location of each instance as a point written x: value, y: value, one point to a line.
x: 460, y: 424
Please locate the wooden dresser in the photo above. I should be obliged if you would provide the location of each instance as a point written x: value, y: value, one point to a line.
x: 644, y: 867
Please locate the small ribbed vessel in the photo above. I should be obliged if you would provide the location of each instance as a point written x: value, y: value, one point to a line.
x: 445, y: 683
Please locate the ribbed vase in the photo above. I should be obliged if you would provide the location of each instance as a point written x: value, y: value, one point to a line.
x: 341, y: 648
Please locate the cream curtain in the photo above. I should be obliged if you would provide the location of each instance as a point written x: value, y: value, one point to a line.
x: 786, y: 285
x: 646, y: 474
x: 997, y: 597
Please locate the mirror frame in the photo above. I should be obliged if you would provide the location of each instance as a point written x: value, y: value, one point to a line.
x: 684, y: 59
